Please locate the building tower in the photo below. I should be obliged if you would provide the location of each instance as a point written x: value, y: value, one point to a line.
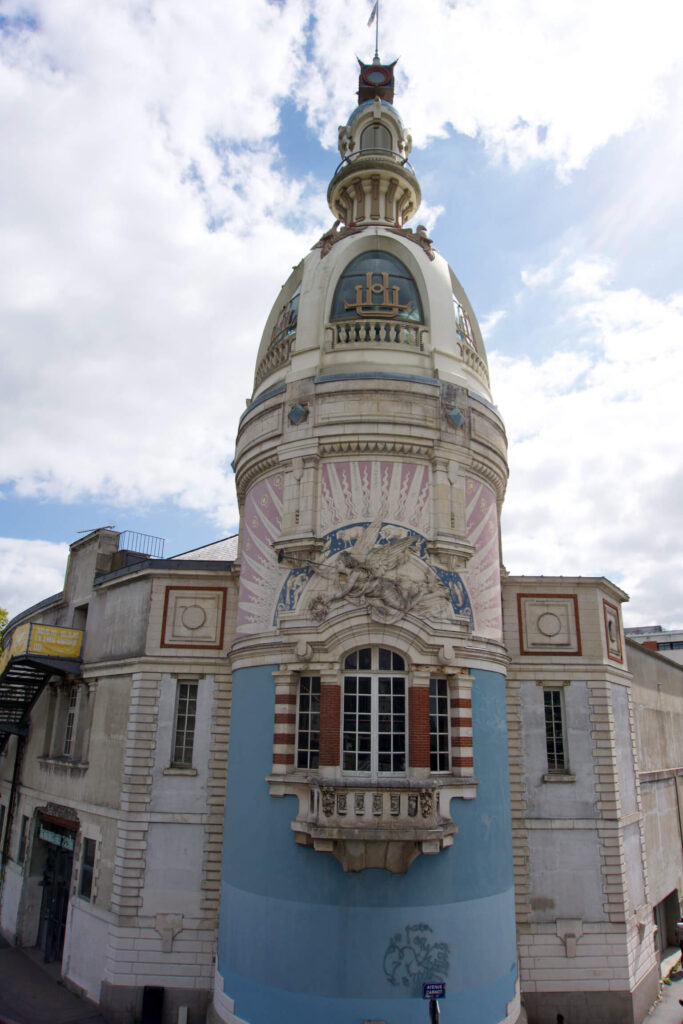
x: 367, y: 843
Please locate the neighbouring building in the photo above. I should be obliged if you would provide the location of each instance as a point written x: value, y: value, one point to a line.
x: 295, y: 775
x: 668, y: 642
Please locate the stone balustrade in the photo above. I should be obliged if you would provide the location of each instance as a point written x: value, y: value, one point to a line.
x: 365, y: 823
x: 377, y: 331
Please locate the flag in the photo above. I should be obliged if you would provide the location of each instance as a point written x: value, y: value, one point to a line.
x: 373, y: 13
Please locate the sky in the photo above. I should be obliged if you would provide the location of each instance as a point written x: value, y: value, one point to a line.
x: 164, y: 165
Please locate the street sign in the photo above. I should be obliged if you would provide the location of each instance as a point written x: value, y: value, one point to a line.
x: 434, y: 990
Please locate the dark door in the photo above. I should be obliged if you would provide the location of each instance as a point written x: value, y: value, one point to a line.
x: 55, y: 903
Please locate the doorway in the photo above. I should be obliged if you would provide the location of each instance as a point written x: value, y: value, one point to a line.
x: 54, y: 906
x: 666, y: 915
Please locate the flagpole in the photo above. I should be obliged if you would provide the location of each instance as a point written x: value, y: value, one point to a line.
x: 377, y: 33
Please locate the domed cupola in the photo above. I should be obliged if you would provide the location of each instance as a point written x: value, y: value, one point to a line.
x: 374, y: 182
x: 373, y: 295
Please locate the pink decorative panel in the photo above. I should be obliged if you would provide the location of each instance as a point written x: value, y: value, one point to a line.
x: 483, y: 570
x: 356, y: 492
x: 261, y: 577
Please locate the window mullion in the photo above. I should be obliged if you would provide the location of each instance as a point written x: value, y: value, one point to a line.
x: 374, y: 712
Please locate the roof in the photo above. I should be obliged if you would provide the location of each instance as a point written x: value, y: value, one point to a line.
x: 224, y: 550
x: 368, y: 104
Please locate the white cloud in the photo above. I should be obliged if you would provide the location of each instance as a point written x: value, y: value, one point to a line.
x: 30, y: 570
x: 596, y: 483
x: 122, y: 140
x: 533, y: 79
x: 490, y: 321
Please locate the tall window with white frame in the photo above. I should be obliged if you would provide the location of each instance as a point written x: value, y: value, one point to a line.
x: 374, y: 732
x: 185, y: 721
x: 70, y: 721
x: 308, y: 723
x: 439, y: 733
x: 553, y: 702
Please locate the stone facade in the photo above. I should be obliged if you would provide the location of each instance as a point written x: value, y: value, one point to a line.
x: 584, y: 914
x: 148, y: 915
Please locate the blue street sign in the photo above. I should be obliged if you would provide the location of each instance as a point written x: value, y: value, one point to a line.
x: 434, y: 990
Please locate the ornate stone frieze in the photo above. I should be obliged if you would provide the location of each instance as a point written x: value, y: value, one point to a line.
x: 419, y: 236
x: 355, y: 447
x: 254, y: 471
x: 378, y: 567
x: 334, y: 235
x: 374, y: 824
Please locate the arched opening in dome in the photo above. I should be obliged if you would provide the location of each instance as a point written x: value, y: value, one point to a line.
x: 377, y: 285
x: 376, y: 136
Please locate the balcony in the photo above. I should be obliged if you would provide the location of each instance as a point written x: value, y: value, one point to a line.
x: 32, y: 654
x: 377, y: 331
x: 371, y: 824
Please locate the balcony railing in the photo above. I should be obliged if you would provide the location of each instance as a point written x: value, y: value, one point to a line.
x: 276, y: 356
x: 377, y: 332
x: 374, y: 824
x: 142, y: 544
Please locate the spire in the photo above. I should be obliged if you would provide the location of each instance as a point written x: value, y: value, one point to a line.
x: 374, y: 16
x: 374, y: 183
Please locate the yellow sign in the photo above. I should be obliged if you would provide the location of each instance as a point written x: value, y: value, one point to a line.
x: 17, y: 645
x: 60, y: 643
x: 34, y: 638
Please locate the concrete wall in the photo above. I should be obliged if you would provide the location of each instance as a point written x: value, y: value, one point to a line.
x: 85, y: 947
x: 658, y: 704
x: 11, y: 895
x: 117, y: 620
x: 658, y: 698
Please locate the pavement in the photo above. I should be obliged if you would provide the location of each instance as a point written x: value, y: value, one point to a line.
x: 668, y: 1010
x: 31, y: 992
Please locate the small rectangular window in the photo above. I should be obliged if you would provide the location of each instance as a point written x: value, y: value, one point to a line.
x: 87, y: 868
x: 185, y: 718
x: 438, y: 725
x: 23, y: 840
x: 554, y: 730
x: 308, y: 723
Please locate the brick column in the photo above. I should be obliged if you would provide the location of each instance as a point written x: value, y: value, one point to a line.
x: 462, y: 754
x: 284, y: 728
x: 418, y: 722
x: 330, y: 721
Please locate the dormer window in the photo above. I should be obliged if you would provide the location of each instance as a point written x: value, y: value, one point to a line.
x: 376, y: 137
x: 463, y: 324
x: 285, y: 326
x: 377, y: 285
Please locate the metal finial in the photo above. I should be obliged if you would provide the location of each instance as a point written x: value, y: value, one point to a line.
x: 374, y: 16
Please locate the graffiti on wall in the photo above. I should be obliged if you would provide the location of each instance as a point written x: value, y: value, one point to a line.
x: 412, y: 958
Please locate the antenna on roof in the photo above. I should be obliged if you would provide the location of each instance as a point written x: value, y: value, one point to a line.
x: 374, y: 16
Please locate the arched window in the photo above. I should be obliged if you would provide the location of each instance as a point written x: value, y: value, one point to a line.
x: 376, y: 136
x: 374, y: 733
x: 376, y: 284
x: 285, y: 325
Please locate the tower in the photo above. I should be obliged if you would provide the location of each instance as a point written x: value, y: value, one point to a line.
x: 367, y: 841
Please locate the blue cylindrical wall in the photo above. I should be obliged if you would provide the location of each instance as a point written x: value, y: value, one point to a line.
x: 302, y: 941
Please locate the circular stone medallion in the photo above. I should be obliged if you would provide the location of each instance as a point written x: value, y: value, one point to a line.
x: 193, y: 616
x: 549, y: 624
